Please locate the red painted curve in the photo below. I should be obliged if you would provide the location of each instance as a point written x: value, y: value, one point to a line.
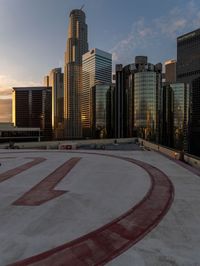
x: 104, y: 244
x: 17, y: 170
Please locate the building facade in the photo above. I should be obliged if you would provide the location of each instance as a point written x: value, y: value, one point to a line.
x: 102, y: 108
x: 175, y: 115
x: 97, y: 68
x: 31, y: 108
x: 181, y: 115
x: 137, y: 99
x: 188, y: 71
x: 167, y: 116
x: 10, y: 133
x: 119, y: 96
x: 56, y: 83
x: 170, y: 71
x: 77, y: 45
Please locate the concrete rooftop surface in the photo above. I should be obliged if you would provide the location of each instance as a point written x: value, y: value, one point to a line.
x: 102, y: 207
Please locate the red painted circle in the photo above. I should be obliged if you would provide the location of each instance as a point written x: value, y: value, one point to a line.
x: 104, y: 244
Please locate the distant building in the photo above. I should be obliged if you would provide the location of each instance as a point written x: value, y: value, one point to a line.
x: 10, y: 133
x: 31, y: 108
x: 188, y: 71
x: 170, y: 71
x: 77, y: 45
x: 57, y: 85
x: 119, y: 101
x: 175, y: 115
x: 102, y: 108
x: 137, y: 99
x: 181, y: 115
x: 46, y: 81
x: 167, y: 116
x: 97, y: 68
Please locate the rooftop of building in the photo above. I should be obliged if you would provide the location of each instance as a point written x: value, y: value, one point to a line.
x: 171, y: 61
x: 10, y: 127
x: 97, y: 52
x: 125, y: 207
x: 32, y: 88
x: 189, y: 35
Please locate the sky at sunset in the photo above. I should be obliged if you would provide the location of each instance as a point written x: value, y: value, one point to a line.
x: 34, y: 32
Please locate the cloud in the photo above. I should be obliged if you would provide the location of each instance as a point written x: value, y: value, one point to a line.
x: 146, y: 35
x: 140, y: 32
x: 5, y: 107
x: 6, y: 84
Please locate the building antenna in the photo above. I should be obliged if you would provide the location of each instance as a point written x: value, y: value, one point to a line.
x: 82, y: 7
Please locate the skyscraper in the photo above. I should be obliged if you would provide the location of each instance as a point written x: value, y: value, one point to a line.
x: 97, y: 68
x: 119, y: 102
x: 147, y: 89
x: 56, y: 82
x: 102, y: 108
x: 188, y: 71
x: 175, y: 115
x: 137, y: 99
x: 77, y: 45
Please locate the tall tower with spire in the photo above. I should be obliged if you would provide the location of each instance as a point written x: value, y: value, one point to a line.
x: 77, y: 45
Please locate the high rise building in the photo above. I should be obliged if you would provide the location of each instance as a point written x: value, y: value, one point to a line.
x: 56, y: 82
x: 181, y: 115
x: 102, y: 110
x: 77, y: 45
x: 137, y: 99
x: 97, y: 68
x: 31, y: 108
x: 167, y: 116
x: 119, y: 102
x: 170, y: 71
x: 188, y: 71
x: 147, y: 89
x: 175, y: 115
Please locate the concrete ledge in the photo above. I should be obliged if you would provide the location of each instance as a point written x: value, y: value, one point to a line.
x: 156, y: 147
x: 175, y: 154
x: 192, y: 160
x: 55, y: 144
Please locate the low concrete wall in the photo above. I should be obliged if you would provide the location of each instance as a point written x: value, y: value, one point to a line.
x: 55, y: 144
x: 192, y: 160
x: 188, y: 158
x: 156, y: 147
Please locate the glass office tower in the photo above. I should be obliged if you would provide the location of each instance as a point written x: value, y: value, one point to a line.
x: 137, y: 99
x: 188, y: 71
x: 181, y: 115
x: 97, y: 68
x: 146, y: 104
x: 175, y: 115
x: 77, y: 45
x: 102, y: 108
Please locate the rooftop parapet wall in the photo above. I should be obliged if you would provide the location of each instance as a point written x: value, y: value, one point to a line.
x: 175, y: 154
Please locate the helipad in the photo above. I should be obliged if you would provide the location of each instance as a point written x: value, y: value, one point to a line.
x: 96, y: 208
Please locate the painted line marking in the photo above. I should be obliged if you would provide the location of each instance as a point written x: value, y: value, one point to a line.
x: 15, y: 171
x: 44, y: 191
x: 104, y: 244
x: 7, y: 158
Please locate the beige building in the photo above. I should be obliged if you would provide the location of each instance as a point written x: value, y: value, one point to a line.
x: 77, y: 45
x: 170, y: 71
